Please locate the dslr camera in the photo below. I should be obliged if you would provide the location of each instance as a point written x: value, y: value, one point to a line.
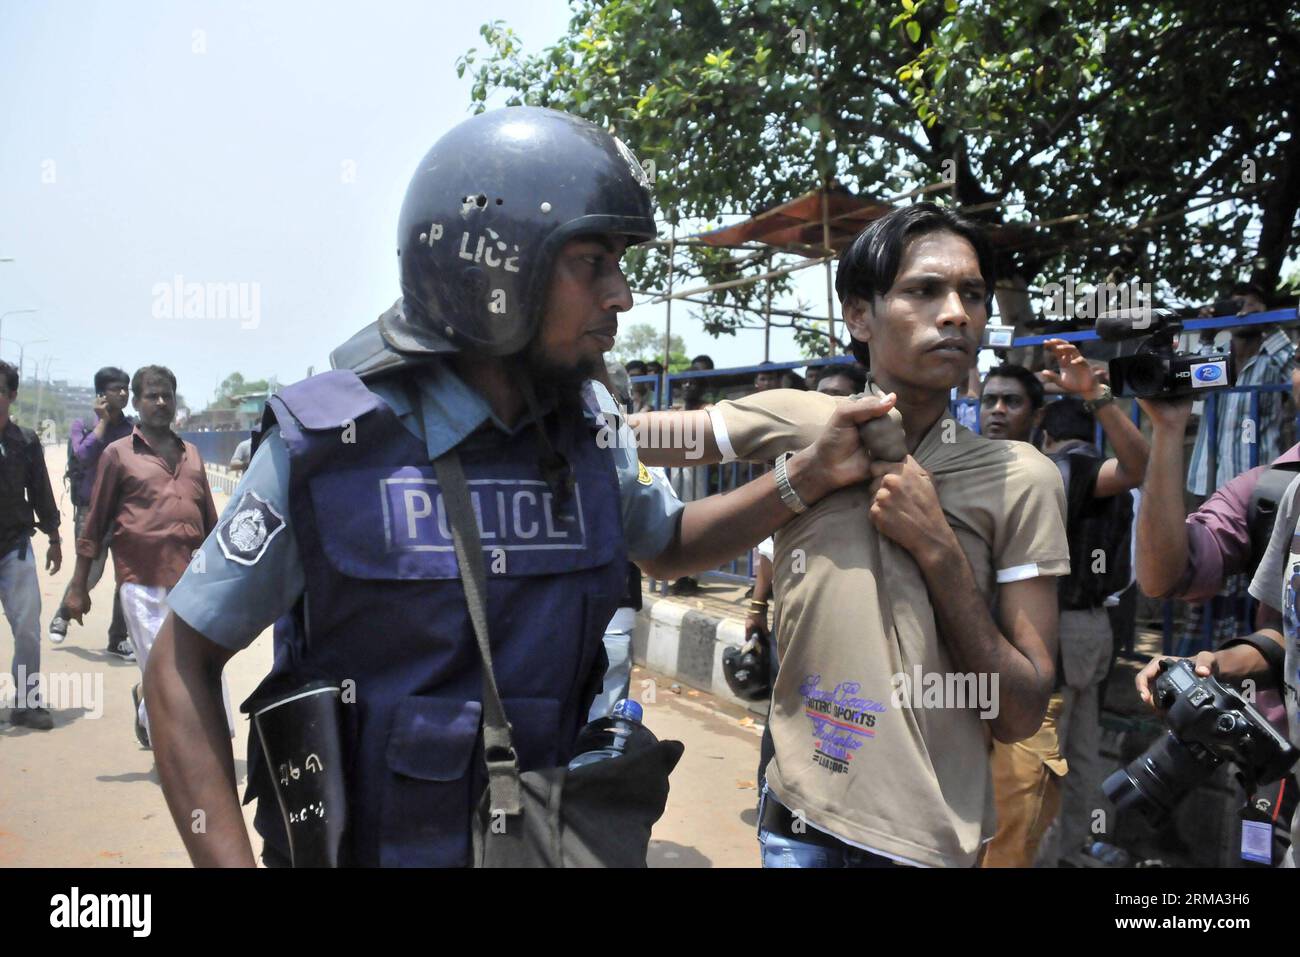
x: 1156, y: 370
x: 1208, y: 724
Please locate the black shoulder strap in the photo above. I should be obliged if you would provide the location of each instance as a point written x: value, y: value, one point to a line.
x: 498, y: 751
x: 1265, y: 503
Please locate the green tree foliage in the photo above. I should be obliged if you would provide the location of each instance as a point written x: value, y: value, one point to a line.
x: 643, y: 341
x: 1111, y: 123
x: 1170, y: 128
x: 235, y: 384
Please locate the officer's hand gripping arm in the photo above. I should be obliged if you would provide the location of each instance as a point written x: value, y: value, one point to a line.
x: 717, y: 529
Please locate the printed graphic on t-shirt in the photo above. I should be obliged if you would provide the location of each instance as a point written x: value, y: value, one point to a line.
x: 842, y: 721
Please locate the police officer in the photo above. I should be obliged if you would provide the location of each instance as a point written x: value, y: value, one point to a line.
x: 509, y: 243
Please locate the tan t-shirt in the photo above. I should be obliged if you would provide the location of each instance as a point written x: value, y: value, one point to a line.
x: 853, y: 611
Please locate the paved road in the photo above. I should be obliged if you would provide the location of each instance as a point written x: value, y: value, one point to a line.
x: 87, y: 795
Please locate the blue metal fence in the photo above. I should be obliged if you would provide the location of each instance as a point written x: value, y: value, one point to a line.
x: 215, y: 447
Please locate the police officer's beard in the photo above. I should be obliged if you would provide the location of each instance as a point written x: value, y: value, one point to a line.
x: 562, y: 378
x: 539, y: 381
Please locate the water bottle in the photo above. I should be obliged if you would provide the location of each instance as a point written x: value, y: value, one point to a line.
x: 614, y: 736
x: 1109, y: 854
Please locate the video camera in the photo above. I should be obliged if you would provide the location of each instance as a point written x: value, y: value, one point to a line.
x: 1156, y: 371
x: 1208, y: 724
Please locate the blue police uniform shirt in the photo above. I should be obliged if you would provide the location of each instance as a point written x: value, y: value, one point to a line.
x: 232, y: 601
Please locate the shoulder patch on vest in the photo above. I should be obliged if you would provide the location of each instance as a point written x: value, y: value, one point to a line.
x: 643, y: 474
x: 245, y: 536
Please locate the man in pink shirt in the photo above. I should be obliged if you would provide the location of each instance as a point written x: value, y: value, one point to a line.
x: 152, y: 495
x: 1190, y: 557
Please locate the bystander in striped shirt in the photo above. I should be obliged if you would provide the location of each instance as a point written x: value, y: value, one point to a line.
x: 1272, y: 365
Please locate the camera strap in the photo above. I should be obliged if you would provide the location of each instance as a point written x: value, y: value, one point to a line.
x: 1266, y: 501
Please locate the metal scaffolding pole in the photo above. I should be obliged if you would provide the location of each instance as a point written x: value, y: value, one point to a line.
x: 767, y: 321
x: 668, y: 318
x: 743, y: 281
x: 735, y: 308
x: 830, y: 281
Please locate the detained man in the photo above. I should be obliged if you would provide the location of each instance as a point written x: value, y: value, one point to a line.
x: 916, y: 613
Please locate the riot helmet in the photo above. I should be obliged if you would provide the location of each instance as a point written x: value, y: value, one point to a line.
x: 486, y: 212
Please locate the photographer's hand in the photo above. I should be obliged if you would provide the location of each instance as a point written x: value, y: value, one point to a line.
x: 1229, y: 665
x: 1168, y: 415
x: 1204, y: 663
x: 1076, y: 375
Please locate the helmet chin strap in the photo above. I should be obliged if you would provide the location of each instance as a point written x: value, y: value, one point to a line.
x: 555, y: 468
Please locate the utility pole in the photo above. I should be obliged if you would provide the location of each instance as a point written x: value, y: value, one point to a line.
x: 668, y: 319
x: 767, y: 318
x: 830, y: 279
x: 40, y: 387
x: 12, y: 312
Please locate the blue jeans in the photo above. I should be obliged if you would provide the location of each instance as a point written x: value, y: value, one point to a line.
x: 117, y: 628
x: 20, y: 596
x: 778, y: 850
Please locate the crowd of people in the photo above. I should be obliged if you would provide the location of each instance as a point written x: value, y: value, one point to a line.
x: 1047, y: 786
x: 456, y: 427
x: 138, y: 490
x: 1046, y: 814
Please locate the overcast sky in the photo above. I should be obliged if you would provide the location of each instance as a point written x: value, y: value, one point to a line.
x: 267, y: 144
